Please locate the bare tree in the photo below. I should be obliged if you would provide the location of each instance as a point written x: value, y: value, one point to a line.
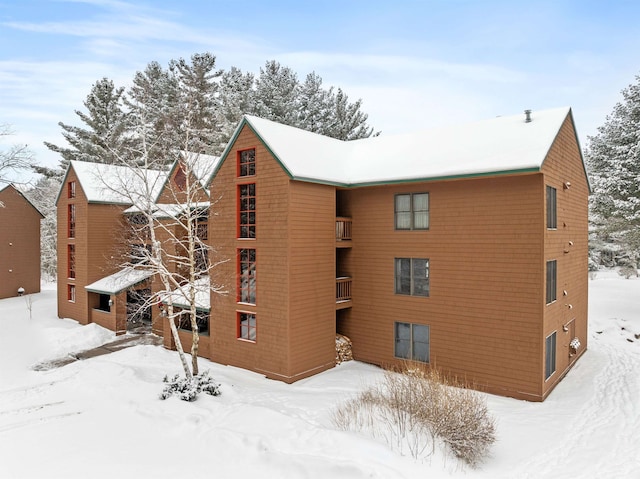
x: 16, y: 159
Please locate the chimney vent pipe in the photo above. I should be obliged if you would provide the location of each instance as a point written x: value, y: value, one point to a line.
x: 527, y: 116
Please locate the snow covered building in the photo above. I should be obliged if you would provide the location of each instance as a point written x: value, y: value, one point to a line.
x: 462, y: 247
x: 19, y: 244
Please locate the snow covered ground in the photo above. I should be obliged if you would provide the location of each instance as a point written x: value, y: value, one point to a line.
x: 100, y: 418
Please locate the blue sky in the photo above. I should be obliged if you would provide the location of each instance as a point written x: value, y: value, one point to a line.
x: 415, y: 64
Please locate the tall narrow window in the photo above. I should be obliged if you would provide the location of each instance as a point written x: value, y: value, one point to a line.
x: 550, y: 355
x: 71, y: 293
x: 552, y: 210
x: 247, y: 162
x: 71, y: 189
x: 412, y: 276
x: 247, y: 326
x: 201, y: 258
x: 412, y: 341
x: 71, y: 257
x: 247, y: 211
x: 71, y: 217
x: 247, y: 276
x: 552, y: 281
x: 180, y: 180
x: 412, y: 211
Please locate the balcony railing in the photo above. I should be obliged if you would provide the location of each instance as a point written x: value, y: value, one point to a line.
x: 343, y: 229
x: 343, y: 289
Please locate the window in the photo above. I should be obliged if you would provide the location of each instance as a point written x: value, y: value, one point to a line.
x: 247, y: 213
x: 104, y: 303
x: 202, y: 231
x: 71, y: 293
x: 412, y: 211
x: 140, y: 253
x: 412, y: 341
x: 202, y: 320
x: 71, y: 227
x: 412, y: 276
x: 552, y: 211
x: 247, y: 276
x: 71, y: 189
x: 552, y: 281
x: 247, y: 162
x: 550, y: 356
x: 201, y: 259
x: 247, y: 326
x: 180, y: 180
x: 71, y: 258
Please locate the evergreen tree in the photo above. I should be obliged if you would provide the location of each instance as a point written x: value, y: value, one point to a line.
x: 613, y: 159
x: 152, y: 100
x: 237, y: 98
x: 197, y: 104
x: 348, y: 122
x: 107, y: 134
x: 315, y: 105
x: 277, y: 94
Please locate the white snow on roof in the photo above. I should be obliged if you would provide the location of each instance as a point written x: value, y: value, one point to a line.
x: 170, y: 210
x: 497, y: 145
x: 117, y: 184
x: 179, y: 297
x: 202, y: 165
x: 119, y: 281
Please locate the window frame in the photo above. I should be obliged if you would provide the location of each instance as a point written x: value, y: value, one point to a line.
x: 202, y: 317
x: 71, y: 261
x: 399, y: 279
x: 245, y: 293
x: 551, y: 281
x: 550, y: 345
x: 247, y: 229
x: 71, y: 189
x: 411, y: 342
x: 412, y: 212
x: 249, y: 328
x: 71, y: 220
x: 246, y: 168
x: 71, y: 293
x: 552, y: 208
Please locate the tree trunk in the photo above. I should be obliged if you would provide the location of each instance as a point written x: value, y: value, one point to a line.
x: 176, y: 338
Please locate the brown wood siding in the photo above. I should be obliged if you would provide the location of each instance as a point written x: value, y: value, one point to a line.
x: 19, y: 244
x: 269, y: 354
x: 486, y: 284
x: 568, y: 244
x: 312, y: 273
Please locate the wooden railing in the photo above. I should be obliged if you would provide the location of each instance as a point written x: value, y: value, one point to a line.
x: 343, y: 229
x: 343, y: 289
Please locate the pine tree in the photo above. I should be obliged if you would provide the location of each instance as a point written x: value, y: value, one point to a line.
x: 348, y: 122
x: 153, y: 100
x: 237, y: 98
x: 315, y: 105
x: 107, y: 133
x: 277, y: 93
x: 197, y: 102
x: 613, y: 159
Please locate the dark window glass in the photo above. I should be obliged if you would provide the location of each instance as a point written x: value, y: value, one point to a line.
x: 552, y: 209
x: 551, y: 281
x: 412, y: 276
x: 247, y: 163
x: 550, y: 356
x: 412, y: 341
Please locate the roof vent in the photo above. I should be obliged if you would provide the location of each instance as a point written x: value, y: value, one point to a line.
x: 527, y: 116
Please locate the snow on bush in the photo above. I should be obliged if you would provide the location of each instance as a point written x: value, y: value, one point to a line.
x: 188, y: 389
x: 418, y: 408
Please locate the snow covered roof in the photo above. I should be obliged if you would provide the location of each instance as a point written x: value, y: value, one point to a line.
x: 119, y: 281
x: 202, y: 165
x: 117, y: 184
x: 170, y: 210
x: 7, y: 185
x: 499, y: 145
x: 179, y: 298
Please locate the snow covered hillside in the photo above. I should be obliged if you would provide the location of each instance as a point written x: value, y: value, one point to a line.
x: 100, y: 417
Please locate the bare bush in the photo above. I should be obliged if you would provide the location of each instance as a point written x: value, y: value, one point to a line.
x: 417, y: 408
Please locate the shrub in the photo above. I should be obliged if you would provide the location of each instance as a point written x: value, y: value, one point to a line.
x: 416, y: 408
x: 188, y: 389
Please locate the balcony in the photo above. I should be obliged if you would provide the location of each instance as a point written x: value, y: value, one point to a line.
x: 343, y: 292
x: 343, y: 232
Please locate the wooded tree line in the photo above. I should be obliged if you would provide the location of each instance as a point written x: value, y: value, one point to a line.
x: 194, y: 100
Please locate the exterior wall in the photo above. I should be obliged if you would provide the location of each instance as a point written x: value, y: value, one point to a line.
x: 19, y: 244
x: 568, y: 245
x: 270, y: 353
x: 485, y: 246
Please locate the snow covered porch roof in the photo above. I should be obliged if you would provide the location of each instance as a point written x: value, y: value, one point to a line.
x: 178, y: 297
x: 119, y: 281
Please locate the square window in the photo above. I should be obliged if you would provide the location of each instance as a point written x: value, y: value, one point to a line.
x: 412, y: 211
x: 412, y: 276
x: 247, y: 326
x: 412, y: 341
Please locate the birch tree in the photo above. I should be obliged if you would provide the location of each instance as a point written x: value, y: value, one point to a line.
x: 14, y: 159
